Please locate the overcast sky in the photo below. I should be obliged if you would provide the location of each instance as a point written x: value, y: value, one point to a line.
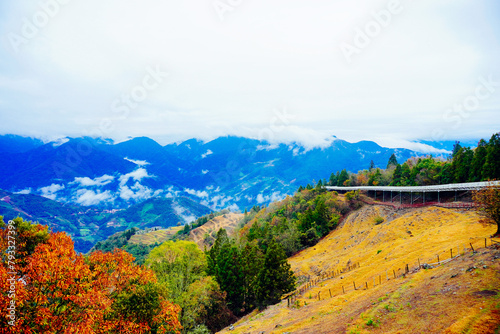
x: 282, y: 70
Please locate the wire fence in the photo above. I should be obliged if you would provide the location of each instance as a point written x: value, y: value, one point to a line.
x: 388, y: 274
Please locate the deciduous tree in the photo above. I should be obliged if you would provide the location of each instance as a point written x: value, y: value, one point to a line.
x: 488, y: 200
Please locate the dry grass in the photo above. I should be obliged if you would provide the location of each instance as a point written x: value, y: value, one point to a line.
x: 204, y: 236
x: 155, y: 236
x: 424, y: 301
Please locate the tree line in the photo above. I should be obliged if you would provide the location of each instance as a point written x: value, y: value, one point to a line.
x: 464, y: 164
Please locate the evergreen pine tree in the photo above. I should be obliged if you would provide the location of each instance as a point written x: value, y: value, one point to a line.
x: 252, y: 261
x: 396, y: 177
x: 405, y: 175
x: 392, y: 161
x: 229, y: 275
x: 491, y: 169
x: 477, y: 165
x: 461, y: 164
x: 456, y: 148
x: 342, y: 178
x: 213, y: 253
x: 333, y: 180
x: 275, y: 278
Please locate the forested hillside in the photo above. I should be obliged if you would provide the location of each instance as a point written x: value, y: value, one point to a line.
x: 463, y: 165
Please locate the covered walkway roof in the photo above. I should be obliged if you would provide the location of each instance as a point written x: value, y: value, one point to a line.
x: 435, y: 188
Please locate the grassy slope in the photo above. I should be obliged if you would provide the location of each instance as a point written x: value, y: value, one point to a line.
x: 155, y: 236
x: 228, y: 221
x: 425, y: 301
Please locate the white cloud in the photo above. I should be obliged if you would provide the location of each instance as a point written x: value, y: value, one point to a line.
x: 197, y: 193
x: 136, y: 175
x: 89, y: 197
x: 138, y: 162
x: 24, y: 191
x: 418, y: 147
x: 233, y: 208
x: 222, y: 72
x: 98, y: 181
x: 275, y: 196
x: 171, y: 192
x: 206, y: 154
x: 181, y: 212
x: 204, y: 171
x: 136, y: 192
x: 50, y: 191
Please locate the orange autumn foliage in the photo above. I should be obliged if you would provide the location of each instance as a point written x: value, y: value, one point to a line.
x: 65, y: 292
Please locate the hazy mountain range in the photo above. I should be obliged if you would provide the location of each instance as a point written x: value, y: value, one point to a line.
x: 92, y: 188
x: 226, y: 172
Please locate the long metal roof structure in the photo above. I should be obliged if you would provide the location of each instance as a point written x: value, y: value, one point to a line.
x: 435, y: 188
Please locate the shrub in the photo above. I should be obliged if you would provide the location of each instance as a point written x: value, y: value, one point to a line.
x: 378, y: 220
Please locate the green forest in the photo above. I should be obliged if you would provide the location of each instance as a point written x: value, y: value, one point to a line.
x: 463, y: 165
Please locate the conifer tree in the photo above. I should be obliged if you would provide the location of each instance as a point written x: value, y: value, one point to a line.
x: 252, y: 261
x: 392, y: 161
x: 333, y: 180
x: 396, y: 177
x: 461, y: 164
x: 229, y: 275
x: 275, y: 278
x: 492, y: 165
x: 456, y: 148
x: 478, y: 161
x: 213, y: 253
x: 405, y: 175
x: 342, y: 178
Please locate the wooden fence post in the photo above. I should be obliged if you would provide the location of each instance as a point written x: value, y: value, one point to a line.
x: 343, y: 291
x: 354, y: 283
x: 366, y: 285
x: 394, y: 273
x: 319, y: 295
x: 451, y: 252
x: 471, y: 247
x: 330, y: 291
x: 438, y: 258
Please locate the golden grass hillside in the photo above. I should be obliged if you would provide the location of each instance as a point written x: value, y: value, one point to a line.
x: 152, y: 237
x: 204, y: 236
x: 459, y: 296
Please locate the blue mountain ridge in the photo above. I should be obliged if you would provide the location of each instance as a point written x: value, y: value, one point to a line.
x: 227, y: 171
